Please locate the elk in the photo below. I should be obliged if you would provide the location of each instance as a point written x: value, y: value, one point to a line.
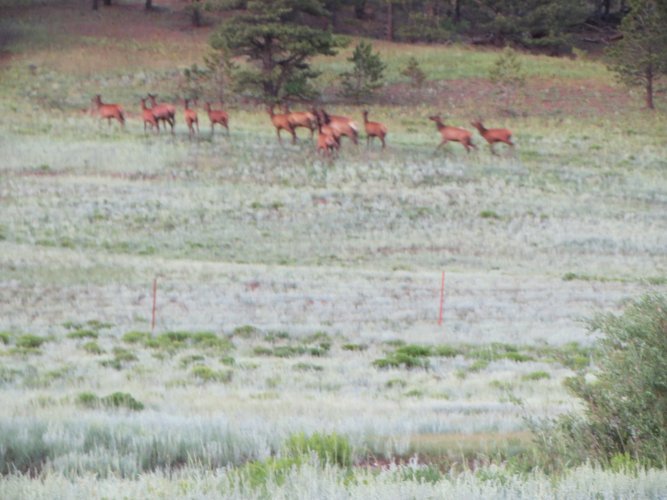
x: 304, y: 119
x: 343, y: 125
x: 493, y: 135
x: 327, y: 142
x: 191, y: 118
x: 149, y: 117
x: 281, y: 122
x: 217, y: 116
x: 453, y: 134
x: 324, y: 128
x: 163, y: 111
x: 108, y: 111
x: 374, y: 129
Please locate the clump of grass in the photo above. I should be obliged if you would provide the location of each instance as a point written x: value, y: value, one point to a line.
x: 192, y: 358
x: 30, y: 342
x: 246, y: 332
x: 228, y: 361
x: 445, y: 351
x: 354, y: 347
x: 395, y: 382
x: 5, y: 337
x: 121, y: 358
x: 489, y: 214
x: 122, y: 400
x: 536, y: 375
x: 83, y: 334
x: 276, y: 336
x: 114, y: 400
x: 92, y: 347
x: 332, y: 449
x: 307, y: 367
x: 208, y: 374
x: 137, y: 337
x: 407, y: 356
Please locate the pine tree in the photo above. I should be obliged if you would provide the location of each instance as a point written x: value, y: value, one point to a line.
x: 277, y: 37
x: 640, y: 57
x: 366, y: 75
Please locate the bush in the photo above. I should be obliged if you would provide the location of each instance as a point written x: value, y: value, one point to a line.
x: 331, y: 449
x: 625, y: 407
x: 367, y: 73
x: 208, y: 374
x: 122, y: 400
x: 30, y: 342
x: 4, y: 337
x: 82, y: 334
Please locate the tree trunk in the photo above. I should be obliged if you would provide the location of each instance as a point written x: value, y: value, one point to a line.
x: 457, y: 11
x: 106, y: 2
x: 149, y: 4
x: 390, y: 21
x: 649, y: 87
x: 196, y: 14
x: 95, y: 4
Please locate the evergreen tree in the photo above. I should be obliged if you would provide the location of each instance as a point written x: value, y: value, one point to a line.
x: 278, y: 37
x: 640, y: 57
x: 366, y: 75
x: 532, y: 23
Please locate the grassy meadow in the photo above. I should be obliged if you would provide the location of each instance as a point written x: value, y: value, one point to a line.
x: 297, y: 351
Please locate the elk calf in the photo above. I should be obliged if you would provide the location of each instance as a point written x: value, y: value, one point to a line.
x: 108, y: 111
x: 163, y: 111
x: 149, y: 117
x: 281, y: 122
x: 191, y: 118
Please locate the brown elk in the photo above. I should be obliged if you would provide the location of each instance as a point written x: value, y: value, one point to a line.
x: 163, y: 111
x: 303, y: 119
x: 149, y: 117
x: 345, y: 126
x: 281, y: 122
x: 324, y: 128
x: 191, y: 118
x: 374, y: 129
x: 493, y: 135
x: 108, y: 111
x: 217, y: 116
x: 327, y: 142
x: 453, y: 134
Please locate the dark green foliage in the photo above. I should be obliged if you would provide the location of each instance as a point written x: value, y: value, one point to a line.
x: 367, y: 73
x: 625, y: 407
x: 4, y: 337
x: 278, y: 38
x: 537, y: 375
x: 531, y: 23
x: 445, y: 351
x: 640, y: 57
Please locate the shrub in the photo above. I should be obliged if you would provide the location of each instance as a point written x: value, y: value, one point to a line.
x: 246, y: 331
x: 536, y: 375
x: 625, y: 408
x: 30, y: 341
x: 88, y: 400
x: 367, y: 73
x: 208, y: 374
x: 93, y: 348
x: 122, y: 400
x: 446, y: 351
x: 332, y: 449
x: 4, y: 337
x: 354, y: 347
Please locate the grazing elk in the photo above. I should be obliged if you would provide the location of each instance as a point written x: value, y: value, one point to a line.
x: 327, y: 142
x: 148, y: 117
x: 374, y: 129
x: 345, y: 126
x: 453, y: 134
x: 304, y: 119
x: 493, y: 135
x: 191, y: 118
x: 163, y: 111
x: 217, y: 116
x: 281, y: 122
x: 108, y: 111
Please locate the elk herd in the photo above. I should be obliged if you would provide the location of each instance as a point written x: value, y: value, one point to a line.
x: 330, y: 128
